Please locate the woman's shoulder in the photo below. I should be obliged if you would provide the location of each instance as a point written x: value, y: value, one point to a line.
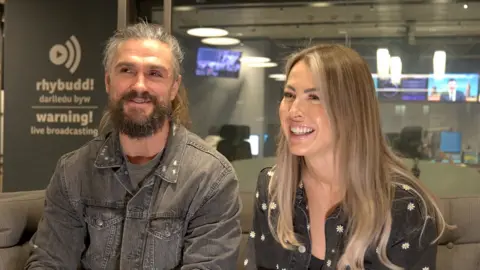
x: 264, y: 179
x: 409, y: 210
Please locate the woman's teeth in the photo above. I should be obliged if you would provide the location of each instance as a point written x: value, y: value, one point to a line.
x: 301, y: 130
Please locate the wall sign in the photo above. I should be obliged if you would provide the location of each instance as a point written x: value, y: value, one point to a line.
x: 53, y: 83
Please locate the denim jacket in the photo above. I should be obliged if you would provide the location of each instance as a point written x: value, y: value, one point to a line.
x: 408, y: 247
x: 185, y: 216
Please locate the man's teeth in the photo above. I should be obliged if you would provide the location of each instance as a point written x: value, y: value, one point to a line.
x: 140, y: 100
x: 301, y: 130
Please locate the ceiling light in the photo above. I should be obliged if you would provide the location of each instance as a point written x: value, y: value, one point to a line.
x: 320, y: 4
x: 268, y: 64
x: 278, y: 77
x: 383, y: 63
x: 439, y: 63
x: 254, y: 59
x: 184, y: 8
x: 396, y: 69
x: 207, y: 32
x: 465, y: 6
x: 221, y: 41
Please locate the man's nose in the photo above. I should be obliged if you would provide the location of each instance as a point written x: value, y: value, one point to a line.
x: 139, y: 82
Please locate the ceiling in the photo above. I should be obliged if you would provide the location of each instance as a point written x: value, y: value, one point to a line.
x: 375, y: 19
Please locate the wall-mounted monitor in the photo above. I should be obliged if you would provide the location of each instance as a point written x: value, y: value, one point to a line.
x: 450, y: 142
x: 410, y: 88
x: 213, y: 62
x: 456, y: 88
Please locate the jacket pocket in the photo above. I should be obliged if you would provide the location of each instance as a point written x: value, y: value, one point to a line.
x: 104, y: 227
x: 164, y: 243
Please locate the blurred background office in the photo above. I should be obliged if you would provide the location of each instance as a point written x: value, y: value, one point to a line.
x: 423, y: 55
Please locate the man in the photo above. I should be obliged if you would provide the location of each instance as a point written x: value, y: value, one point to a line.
x: 453, y: 95
x: 148, y: 194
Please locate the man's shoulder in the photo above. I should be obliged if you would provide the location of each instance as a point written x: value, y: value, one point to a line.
x: 83, y: 156
x: 200, y: 153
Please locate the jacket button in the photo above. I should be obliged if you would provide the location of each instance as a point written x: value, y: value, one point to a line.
x: 99, y: 222
x: 450, y: 245
x: 302, y: 249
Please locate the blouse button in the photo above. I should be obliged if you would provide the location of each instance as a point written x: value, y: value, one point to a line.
x: 450, y: 245
x: 302, y: 249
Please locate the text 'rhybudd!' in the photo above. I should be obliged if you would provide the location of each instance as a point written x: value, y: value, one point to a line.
x: 64, y: 85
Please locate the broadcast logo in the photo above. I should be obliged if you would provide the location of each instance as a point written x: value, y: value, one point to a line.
x: 68, y: 54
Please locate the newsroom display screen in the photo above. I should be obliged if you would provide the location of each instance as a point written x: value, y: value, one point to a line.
x: 448, y: 88
x: 410, y: 88
x: 213, y: 62
x: 453, y: 88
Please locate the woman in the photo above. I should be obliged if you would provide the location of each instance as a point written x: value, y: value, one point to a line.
x: 338, y: 198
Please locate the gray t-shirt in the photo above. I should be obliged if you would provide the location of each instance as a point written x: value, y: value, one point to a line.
x: 138, y: 172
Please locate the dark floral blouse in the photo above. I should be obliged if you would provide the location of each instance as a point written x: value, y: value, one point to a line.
x: 407, y: 246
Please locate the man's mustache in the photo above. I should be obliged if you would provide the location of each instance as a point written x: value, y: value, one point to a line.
x: 161, y: 108
x: 132, y: 94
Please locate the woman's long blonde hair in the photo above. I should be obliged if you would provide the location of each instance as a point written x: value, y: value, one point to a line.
x: 369, y: 169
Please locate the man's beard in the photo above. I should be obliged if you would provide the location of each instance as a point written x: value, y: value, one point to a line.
x: 135, y: 123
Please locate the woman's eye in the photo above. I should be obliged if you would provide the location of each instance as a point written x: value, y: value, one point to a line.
x: 288, y: 95
x: 313, y: 97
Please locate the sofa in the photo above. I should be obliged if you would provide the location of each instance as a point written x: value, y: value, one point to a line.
x: 19, y: 216
x: 459, y: 201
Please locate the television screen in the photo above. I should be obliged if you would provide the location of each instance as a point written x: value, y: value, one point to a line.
x: 450, y: 142
x: 410, y: 88
x: 212, y: 62
x: 453, y: 88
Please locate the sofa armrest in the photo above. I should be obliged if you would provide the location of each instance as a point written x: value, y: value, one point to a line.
x: 14, y: 258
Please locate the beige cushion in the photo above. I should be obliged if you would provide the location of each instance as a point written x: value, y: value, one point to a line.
x: 20, y: 213
x: 462, y: 212
x: 14, y: 258
x: 12, y: 224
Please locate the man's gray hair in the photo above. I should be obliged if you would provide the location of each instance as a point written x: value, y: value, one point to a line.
x: 143, y: 31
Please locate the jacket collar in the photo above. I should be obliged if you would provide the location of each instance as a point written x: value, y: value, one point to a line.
x: 110, y: 154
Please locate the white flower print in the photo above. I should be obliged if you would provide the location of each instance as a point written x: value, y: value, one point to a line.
x: 411, y: 206
x: 406, y: 245
x: 329, y: 263
x: 262, y: 237
x: 252, y: 234
x: 308, y: 226
x: 278, y: 267
x: 426, y: 268
x: 270, y: 173
x: 406, y: 187
x: 377, y: 250
x: 245, y: 262
x: 300, y: 185
x: 273, y: 205
x: 257, y: 194
x: 339, y: 229
x: 264, y: 206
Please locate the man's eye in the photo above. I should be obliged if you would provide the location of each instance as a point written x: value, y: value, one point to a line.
x: 156, y: 73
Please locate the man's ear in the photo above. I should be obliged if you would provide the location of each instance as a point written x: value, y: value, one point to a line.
x: 175, y: 88
x: 107, y: 82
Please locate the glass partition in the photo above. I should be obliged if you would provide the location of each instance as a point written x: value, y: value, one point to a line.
x: 424, y: 59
